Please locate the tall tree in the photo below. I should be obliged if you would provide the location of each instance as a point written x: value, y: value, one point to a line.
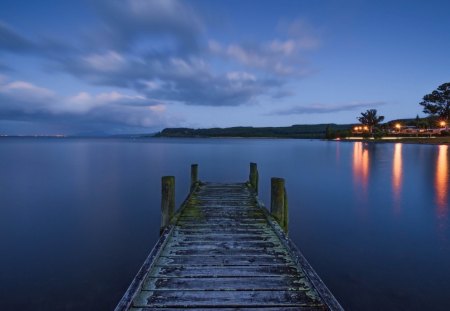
x: 370, y: 118
x: 438, y: 102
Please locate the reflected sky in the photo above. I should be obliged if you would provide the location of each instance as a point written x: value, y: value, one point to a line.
x: 79, y: 216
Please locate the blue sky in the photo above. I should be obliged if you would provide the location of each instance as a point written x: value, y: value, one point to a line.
x: 136, y: 66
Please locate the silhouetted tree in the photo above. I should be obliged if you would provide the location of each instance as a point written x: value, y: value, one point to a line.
x: 370, y: 119
x: 438, y: 102
x: 329, y: 133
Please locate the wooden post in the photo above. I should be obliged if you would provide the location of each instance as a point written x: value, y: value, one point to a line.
x: 254, y: 176
x: 194, y: 175
x: 285, y: 212
x: 278, y: 202
x: 167, y: 200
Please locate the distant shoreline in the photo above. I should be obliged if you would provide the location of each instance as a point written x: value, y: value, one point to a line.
x: 403, y: 140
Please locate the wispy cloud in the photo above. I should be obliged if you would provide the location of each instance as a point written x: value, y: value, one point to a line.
x: 280, y: 56
x: 12, y: 41
x: 323, y: 108
x: 20, y: 100
x: 127, y: 22
x: 160, y: 51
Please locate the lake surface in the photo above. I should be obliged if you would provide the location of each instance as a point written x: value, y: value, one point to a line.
x: 79, y: 216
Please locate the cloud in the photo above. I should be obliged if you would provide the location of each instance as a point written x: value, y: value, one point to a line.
x: 160, y: 50
x: 282, y: 93
x: 24, y: 97
x: 84, y: 102
x: 12, y: 41
x: 187, y: 80
x: 20, y: 100
x: 138, y: 56
x: 305, y: 36
x: 107, y: 62
x: 280, y: 56
x: 322, y: 108
x: 193, y: 87
x: 127, y: 21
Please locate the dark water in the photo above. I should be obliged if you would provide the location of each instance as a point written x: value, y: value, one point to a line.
x: 79, y: 216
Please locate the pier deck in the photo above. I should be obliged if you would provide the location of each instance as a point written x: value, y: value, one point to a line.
x: 224, y: 251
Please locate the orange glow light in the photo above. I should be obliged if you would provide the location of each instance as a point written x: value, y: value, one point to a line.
x: 397, y: 171
x: 361, y: 165
x: 442, y: 124
x: 398, y: 126
x: 441, y: 181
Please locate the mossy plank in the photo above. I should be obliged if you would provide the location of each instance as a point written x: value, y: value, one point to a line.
x: 225, y: 260
x: 224, y: 271
x: 241, y: 308
x: 225, y: 252
x: 223, y: 298
x: 227, y: 283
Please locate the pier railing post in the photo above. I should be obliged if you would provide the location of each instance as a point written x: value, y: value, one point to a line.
x: 285, y: 212
x: 167, y: 200
x: 254, y: 176
x: 278, y: 202
x: 194, y: 175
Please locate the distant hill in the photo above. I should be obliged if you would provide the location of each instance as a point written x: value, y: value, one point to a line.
x: 294, y: 131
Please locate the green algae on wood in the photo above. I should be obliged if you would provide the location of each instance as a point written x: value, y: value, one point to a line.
x: 254, y: 176
x: 278, y: 202
x: 167, y: 200
x: 224, y: 251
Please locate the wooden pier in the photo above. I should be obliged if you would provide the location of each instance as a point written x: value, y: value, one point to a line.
x: 224, y: 251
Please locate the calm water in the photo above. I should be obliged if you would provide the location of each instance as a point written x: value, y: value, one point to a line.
x: 79, y: 216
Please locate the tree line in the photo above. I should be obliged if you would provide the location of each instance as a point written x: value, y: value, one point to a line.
x: 436, y: 105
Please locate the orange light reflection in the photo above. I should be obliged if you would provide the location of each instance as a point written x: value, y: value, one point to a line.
x: 441, y: 182
x: 361, y: 164
x: 397, y: 171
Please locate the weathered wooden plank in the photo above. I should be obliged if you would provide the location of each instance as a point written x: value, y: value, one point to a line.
x: 224, y: 298
x: 221, y: 230
x: 225, y: 260
x: 191, y: 219
x: 217, y: 238
x: 225, y: 204
x: 233, y: 251
x: 264, y: 308
x: 222, y: 271
x: 224, y: 237
x: 224, y: 253
x: 233, y: 210
x: 235, y: 283
x: 215, y: 226
x: 224, y: 200
x: 225, y: 244
x: 211, y: 222
x: 221, y: 214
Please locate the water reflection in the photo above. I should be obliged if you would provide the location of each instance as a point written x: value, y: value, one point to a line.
x: 397, y: 173
x: 361, y: 164
x: 441, y: 181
